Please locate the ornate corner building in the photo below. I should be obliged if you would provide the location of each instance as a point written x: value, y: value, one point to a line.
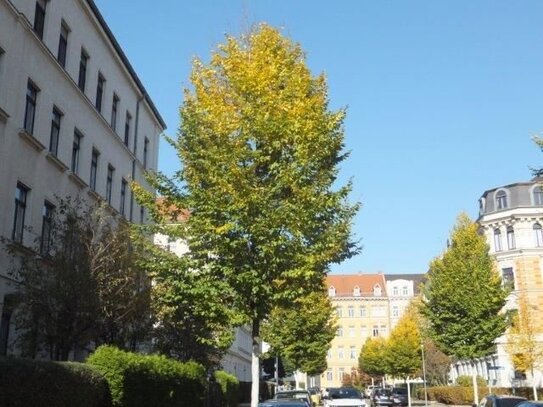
x: 511, y: 218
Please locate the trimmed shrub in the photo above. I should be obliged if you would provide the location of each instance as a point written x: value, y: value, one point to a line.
x: 25, y: 382
x: 467, y: 381
x: 457, y: 394
x: 229, y: 388
x: 149, y: 380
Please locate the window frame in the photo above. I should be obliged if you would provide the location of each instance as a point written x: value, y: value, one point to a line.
x: 510, y: 233
x: 54, y: 136
x: 19, y: 215
x: 47, y: 223
x: 109, y: 183
x: 83, y: 66
x: 122, y: 203
x: 76, y: 151
x: 114, y: 111
x: 31, y: 102
x: 538, y: 234
x: 501, y: 198
x: 40, y: 12
x: 146, y: 154
x: 127, y: 122
x: 498, y: 247
x: 63, y: 43
x: 94, y: 169
x: 100, y: 86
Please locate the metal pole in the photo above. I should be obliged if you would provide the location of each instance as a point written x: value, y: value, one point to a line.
x: 276, y: 373
x: 424, y: 376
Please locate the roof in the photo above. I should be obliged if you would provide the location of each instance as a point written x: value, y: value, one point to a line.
x: 345, y: 283
x: 417, y: 279
x: 171, y: 212
x: 125, y: 60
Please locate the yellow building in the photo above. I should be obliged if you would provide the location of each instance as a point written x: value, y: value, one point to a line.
x: 362, y: 307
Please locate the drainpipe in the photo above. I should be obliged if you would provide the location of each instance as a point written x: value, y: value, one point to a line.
x: 135, y: 152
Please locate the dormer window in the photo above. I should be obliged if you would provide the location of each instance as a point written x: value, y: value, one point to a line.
x: 356, y: 291
x: 377, y: 290
x: 538, y: 195
x: 501, y: 200
x: 331, y: 291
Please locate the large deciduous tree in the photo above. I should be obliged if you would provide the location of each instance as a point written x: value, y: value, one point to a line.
x: 302, y: 332
x: 403, y: 351
x: 465, y: 297
x: 259, y: 150
x: 524, y: 344
x: 373, y: 357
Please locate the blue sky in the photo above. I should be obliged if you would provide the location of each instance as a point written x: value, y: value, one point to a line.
x: 443, y: 98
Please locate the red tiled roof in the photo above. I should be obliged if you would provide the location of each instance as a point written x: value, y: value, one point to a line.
x: 345, y: 283
x: 171, y: 212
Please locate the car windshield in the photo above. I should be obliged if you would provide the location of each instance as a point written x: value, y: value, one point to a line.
x: 505, y: 402
x: 399, y: 390
x: 292, y: 395
x: 345, y: 394
x: 382, y: 392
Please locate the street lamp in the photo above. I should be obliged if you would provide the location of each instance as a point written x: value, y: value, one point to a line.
x: 424, y: 375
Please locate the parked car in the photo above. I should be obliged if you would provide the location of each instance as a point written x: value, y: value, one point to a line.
x: 493, y: 400
x: 368, y: 390
x: 530, y: 403
x: 294, y: 394
x: 283, y: 403
x: 399, y: 396
x: 344, y: 397
x: 381, y: 397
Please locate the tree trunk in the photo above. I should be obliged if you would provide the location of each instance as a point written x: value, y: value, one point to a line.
x: 255, y: 363
x: 474, y: 381
x: 534, y: 385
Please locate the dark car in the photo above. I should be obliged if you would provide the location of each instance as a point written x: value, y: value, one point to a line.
x: 530, y: 403
x: 493, y: 400
x: 296, y: 395
x: 399, y: 396
x: 381, y: 397
x: 283, y: 403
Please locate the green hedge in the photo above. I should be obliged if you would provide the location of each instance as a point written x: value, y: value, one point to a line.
x: 457, y: 394
x: 34, y: 383
x: 149, y: 380
x: 229, y: 388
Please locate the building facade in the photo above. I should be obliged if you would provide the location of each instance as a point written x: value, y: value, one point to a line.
x: 364, y: 304
x: 75, y: 121
x: 511, y: 218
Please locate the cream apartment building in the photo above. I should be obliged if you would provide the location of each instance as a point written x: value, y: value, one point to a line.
x: 511, y: 218
x: 75, y: 120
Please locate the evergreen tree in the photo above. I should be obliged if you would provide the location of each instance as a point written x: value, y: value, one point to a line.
x: 464, y: 297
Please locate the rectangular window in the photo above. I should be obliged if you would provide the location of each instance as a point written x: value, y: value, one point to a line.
x: 508, y: 278
x: 30, y: 107
x: 123, y: 197
x: 329, y: 375
x: 375, y: 331
x: 76, y: 147
x: 63, y: 44
x: 497, y: 240
x: 510, y: 238
x: 340, y: 352
x: 339, y: 332
x: 329, y: 354
x: 395, y: 291
x: 21, y: 194
x: 339, y: 312
x: 127, y: 129
x: 142, y: 214
x: 39, y: 18
x: 94, y: 169
x: 383, y: 330
x: 145, y: 152
x: 395, y: 311
x: 99, y: 92
x: 351, y: 331
x: 362, y: 310
x: 47, y: 222
x: 55, y: 131
x: 109, y: 183
x: 405, y: 291
x: 350, y: 311
x: 364, y: 331
x: 341, y: 374
x: 83, y: 62
x: 352, y: 352
x: 114, y: 107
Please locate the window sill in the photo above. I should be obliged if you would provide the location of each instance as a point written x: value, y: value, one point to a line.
x: 95, y: 195
x: 30, y: 139
x: 4, y: 116
x: 20, y: 248
x: 56, y: 161
x: 74, y: 177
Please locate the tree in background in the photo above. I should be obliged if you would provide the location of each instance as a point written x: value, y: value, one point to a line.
x: 524, y: 344
x: 81, y: 286
x: 464, y: 297
x: 403, y: 352
x: 302, y: 332
x: 373, y: 358
x: 437, y: 364
x: 259, y: 150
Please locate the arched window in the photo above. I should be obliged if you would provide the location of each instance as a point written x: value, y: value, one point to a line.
x: 538, y: 195
x: 497, y: 240
x: 501, y: 200
x: 538, y: 234
x: 356, y: 291
x: 377, y: 290
x: 510, y: 238
x: 331, y: 291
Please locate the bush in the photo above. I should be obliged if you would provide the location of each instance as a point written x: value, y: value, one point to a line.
x: 44, y: 384
x: 149, y: 380
x: 229, y: 388
x: 457, y: 394
x: 467, y: 381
